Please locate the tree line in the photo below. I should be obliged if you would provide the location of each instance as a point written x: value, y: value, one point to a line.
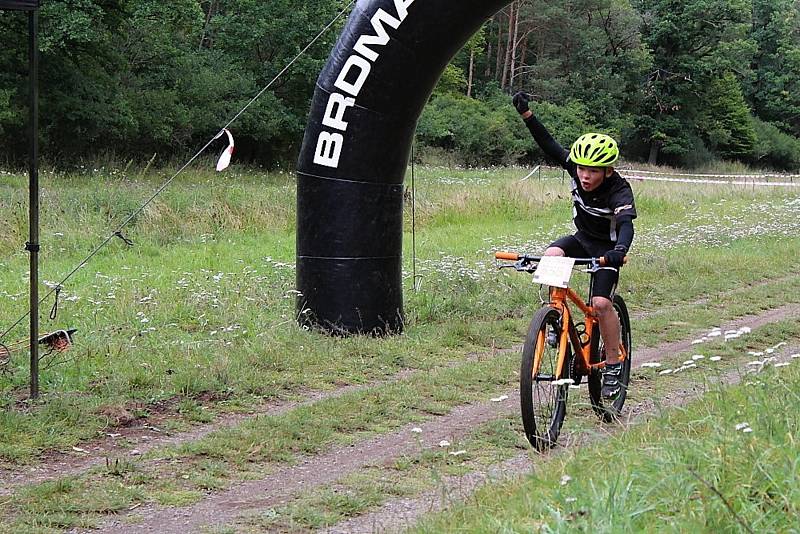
x: 682, y: 83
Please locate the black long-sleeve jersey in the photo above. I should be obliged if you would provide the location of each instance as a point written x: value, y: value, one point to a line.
x: 605, y: 214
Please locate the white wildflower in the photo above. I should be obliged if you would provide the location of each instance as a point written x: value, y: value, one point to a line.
x: 651, y: 364
x: 698, y: 357
x: 444, y: 443
x: 666, y: 372
x: 715, y: 358
x: 501, y: 398
x: 565, y: 480
x: 416, y: 430
x: 742, y: 426
x: 458, y: 453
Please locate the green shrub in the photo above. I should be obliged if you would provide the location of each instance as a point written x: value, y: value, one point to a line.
x: 774, y: 148
x: 489, y: 132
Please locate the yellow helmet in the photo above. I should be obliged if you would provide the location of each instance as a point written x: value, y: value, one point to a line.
x: 594, y: 150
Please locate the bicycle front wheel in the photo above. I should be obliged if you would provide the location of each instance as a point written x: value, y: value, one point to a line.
x: 543, y: 398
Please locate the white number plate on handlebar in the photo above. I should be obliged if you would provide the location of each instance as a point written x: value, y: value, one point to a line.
x: 554, y: 271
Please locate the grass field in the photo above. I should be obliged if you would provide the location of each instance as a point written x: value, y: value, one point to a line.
x: 196, y: 320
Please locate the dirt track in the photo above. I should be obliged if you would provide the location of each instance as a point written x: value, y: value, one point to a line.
x: 281, y: 486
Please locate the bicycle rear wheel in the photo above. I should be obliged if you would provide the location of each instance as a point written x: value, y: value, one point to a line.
x: 543, y: 402
x: 608, y: 411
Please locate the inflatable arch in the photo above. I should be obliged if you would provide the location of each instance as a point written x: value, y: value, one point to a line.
x: 355, y: 153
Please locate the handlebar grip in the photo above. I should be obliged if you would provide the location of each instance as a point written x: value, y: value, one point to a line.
x: 603, y: 261
x: 511, y: 256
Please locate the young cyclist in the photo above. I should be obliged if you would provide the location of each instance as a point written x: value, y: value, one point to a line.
x: 603, y: 212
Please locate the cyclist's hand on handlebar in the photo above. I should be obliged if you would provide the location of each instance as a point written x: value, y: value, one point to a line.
x: 614, y: 258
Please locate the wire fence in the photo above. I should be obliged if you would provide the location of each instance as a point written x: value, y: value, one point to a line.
x: 748, y: 180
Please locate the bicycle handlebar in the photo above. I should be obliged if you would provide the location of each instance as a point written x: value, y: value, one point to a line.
x: 513, y: 256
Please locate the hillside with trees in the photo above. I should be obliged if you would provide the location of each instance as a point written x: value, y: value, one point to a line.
x: 681, y: 83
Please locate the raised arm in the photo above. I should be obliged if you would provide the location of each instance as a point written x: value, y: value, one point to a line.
x: 549, y: 146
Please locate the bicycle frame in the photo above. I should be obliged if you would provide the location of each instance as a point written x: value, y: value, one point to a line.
x: 583, y: 351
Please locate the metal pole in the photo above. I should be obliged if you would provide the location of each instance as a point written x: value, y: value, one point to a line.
x: 33, y: 188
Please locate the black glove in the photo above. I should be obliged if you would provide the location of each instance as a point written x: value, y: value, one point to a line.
x: 520, y: 101
x: 615, y: 258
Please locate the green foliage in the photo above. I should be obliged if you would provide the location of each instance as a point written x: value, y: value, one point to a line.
x: 693, y: 45
x: 774, y: 148
x: 724, y: 121
x: 775, y: 88
x: 489, y: 131
x: 675, y: 81
x: 479, y: 132
x: 138, y: 77
x: 453, y: 81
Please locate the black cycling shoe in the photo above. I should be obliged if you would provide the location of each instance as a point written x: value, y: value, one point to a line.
x: 611, y: 381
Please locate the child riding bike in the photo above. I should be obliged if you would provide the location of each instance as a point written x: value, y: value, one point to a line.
x: 603, y: 213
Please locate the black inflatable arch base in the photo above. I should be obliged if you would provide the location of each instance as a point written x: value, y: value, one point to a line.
x: 353, y: 160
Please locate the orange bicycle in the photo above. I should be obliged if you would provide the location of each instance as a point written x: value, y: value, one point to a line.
x: 559, y: 353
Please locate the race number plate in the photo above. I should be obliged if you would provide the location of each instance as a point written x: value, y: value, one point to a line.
x: 554, y: 271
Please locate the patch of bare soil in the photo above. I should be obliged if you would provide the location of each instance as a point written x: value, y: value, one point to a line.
x: 283, y: 485
x: 400, y: 514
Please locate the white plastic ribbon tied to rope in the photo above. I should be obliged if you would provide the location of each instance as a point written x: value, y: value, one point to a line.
x: 225, y: 159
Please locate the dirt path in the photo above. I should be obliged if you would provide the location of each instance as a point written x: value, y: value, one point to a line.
x: 399, y: 514
x: 285, y: 483
x: 281, y: 486
x: 147, y: 436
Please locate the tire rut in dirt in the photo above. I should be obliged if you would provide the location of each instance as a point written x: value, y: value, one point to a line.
x: 283, y: 485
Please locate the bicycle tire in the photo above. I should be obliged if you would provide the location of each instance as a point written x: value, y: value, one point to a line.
x: 543, y: 406
x: 610, y: 411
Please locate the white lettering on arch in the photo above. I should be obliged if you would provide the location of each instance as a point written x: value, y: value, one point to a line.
x: 364, y: 68
x: 329, y: 149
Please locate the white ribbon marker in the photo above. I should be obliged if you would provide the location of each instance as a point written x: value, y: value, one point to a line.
x: 225, y: 159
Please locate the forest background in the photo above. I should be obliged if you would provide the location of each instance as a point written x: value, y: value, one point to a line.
x: 681, y: 83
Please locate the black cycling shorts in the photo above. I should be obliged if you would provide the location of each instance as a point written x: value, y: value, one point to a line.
x: 604, y: 281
